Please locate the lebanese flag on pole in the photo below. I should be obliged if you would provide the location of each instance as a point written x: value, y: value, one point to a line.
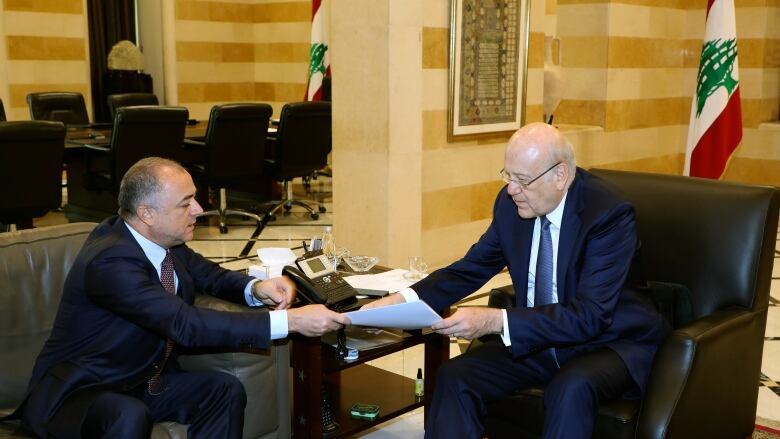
x: 319, y: 66
x: 716, y: 116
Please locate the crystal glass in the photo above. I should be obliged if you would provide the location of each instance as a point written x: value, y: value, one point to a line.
x: 361, y: 263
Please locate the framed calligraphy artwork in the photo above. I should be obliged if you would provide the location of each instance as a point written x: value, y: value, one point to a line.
x: 488, y: 66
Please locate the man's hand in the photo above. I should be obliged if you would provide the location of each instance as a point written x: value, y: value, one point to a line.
x: 278, y: 292
x: 314, y: 320
x: 392, y: 299
x: 471, y: 322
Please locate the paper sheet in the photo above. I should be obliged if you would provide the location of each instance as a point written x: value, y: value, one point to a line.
x: 391, y: 281
x: 411, y: 315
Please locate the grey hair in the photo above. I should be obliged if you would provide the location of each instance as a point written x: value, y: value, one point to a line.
x: 141, y: 184
x: 565, y: 153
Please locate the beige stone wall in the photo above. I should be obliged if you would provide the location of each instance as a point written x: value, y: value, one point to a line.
x: 631, y: 67
x: 222, y: 51
x: 240, y: 51
x: 44, y: 48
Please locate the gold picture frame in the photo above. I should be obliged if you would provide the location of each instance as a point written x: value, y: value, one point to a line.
x: 488, y: 67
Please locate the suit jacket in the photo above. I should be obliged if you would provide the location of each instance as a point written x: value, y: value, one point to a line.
x: 595, y: 249
x: 115, y: 316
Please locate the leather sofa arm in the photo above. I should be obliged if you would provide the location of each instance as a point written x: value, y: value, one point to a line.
x: 686, y: 396
x: 265, y: 376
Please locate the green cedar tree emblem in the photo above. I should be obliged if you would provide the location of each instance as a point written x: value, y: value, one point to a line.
x: 715, y: 70
x: 317, y: 56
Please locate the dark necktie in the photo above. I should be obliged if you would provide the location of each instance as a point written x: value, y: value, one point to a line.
x: 543, y: 294
x: 543, y: 291
x: 156, y: 384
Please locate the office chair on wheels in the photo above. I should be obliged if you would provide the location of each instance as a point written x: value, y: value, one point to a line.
x: 138, y: 132
x: 300, y: 148
x: 233, y: 153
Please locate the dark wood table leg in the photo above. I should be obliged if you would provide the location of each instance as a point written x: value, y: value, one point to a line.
x: 437, y: 351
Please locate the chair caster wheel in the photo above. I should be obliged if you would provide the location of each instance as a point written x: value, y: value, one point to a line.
x: 322, y: 209
x: 315, y: 216
x: 287, y: 206
x: 223, y: 229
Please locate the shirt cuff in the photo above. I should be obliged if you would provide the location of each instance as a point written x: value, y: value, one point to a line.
x: 278, y: 324
x: 249, y: 297
x: 505, y: 330
x: 409, y: 295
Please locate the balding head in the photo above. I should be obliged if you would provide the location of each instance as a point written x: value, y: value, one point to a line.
x: 540, y: 166
x: 541, y: 141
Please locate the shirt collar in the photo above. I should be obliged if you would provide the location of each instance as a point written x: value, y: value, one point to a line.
x: 152, y: 250
x: 556, y: 216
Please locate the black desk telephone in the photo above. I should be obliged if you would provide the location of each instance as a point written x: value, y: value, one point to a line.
x: 318, y: 281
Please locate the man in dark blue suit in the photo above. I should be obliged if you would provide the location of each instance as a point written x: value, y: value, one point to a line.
x: 108, y: 368
x: 568, y: 241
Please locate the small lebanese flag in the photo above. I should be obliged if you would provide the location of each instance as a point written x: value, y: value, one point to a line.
x: 319, y: 66
x: 716, y: 117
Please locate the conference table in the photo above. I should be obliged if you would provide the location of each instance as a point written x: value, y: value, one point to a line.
x: 100, y: 134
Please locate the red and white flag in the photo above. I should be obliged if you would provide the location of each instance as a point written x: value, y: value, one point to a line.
x: 716, y: 116
x: 319, y: 55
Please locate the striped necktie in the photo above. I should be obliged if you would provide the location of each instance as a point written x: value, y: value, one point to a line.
x: 543, y: 283
x: 543, y: 294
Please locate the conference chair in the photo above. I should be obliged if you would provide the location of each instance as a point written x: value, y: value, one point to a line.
x: 129, y: 100
x: 66, y: 107
x: 300, y: 148
x: 233, y: 153
x: 30, y: 171
x: 138, y: 132
x: 2, y: 112
x: 706, y: 251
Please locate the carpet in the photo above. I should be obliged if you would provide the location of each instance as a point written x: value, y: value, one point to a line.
x: 766, y: 429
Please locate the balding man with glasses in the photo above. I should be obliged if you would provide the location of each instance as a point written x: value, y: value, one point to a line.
x: 567, y: 240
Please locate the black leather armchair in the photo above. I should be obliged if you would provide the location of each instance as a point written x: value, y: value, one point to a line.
x: 66, y: 107
x: 129, y: 100
x: 2, y: 111
x: 717, y: 239
x: 233, y: 153
x: 31, y: 170
x: 300, y: 148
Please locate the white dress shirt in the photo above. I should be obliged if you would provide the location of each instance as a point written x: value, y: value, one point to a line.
x: 555, y: 217
x: 156, y: 254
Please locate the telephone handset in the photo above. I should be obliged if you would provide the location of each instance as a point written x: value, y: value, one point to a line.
x: 318, y: 281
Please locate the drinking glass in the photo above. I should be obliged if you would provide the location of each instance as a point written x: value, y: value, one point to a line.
x: 418, y: 269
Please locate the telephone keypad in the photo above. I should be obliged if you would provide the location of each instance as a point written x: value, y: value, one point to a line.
x: 335, y: 288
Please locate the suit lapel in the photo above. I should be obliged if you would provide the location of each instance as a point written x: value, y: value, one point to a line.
x: 570, y: 229
x: 186, y: 287
x: 522, y: 235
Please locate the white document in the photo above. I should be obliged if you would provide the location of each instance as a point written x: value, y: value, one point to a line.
x: 391, y: 281
x: 410, y: 315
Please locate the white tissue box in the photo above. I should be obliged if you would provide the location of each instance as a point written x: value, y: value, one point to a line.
x: 264, y: 272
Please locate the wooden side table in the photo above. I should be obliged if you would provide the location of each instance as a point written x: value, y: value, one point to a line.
x: 314, y: 363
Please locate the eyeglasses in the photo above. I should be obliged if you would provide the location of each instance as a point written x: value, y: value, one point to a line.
x: 509, y: 179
